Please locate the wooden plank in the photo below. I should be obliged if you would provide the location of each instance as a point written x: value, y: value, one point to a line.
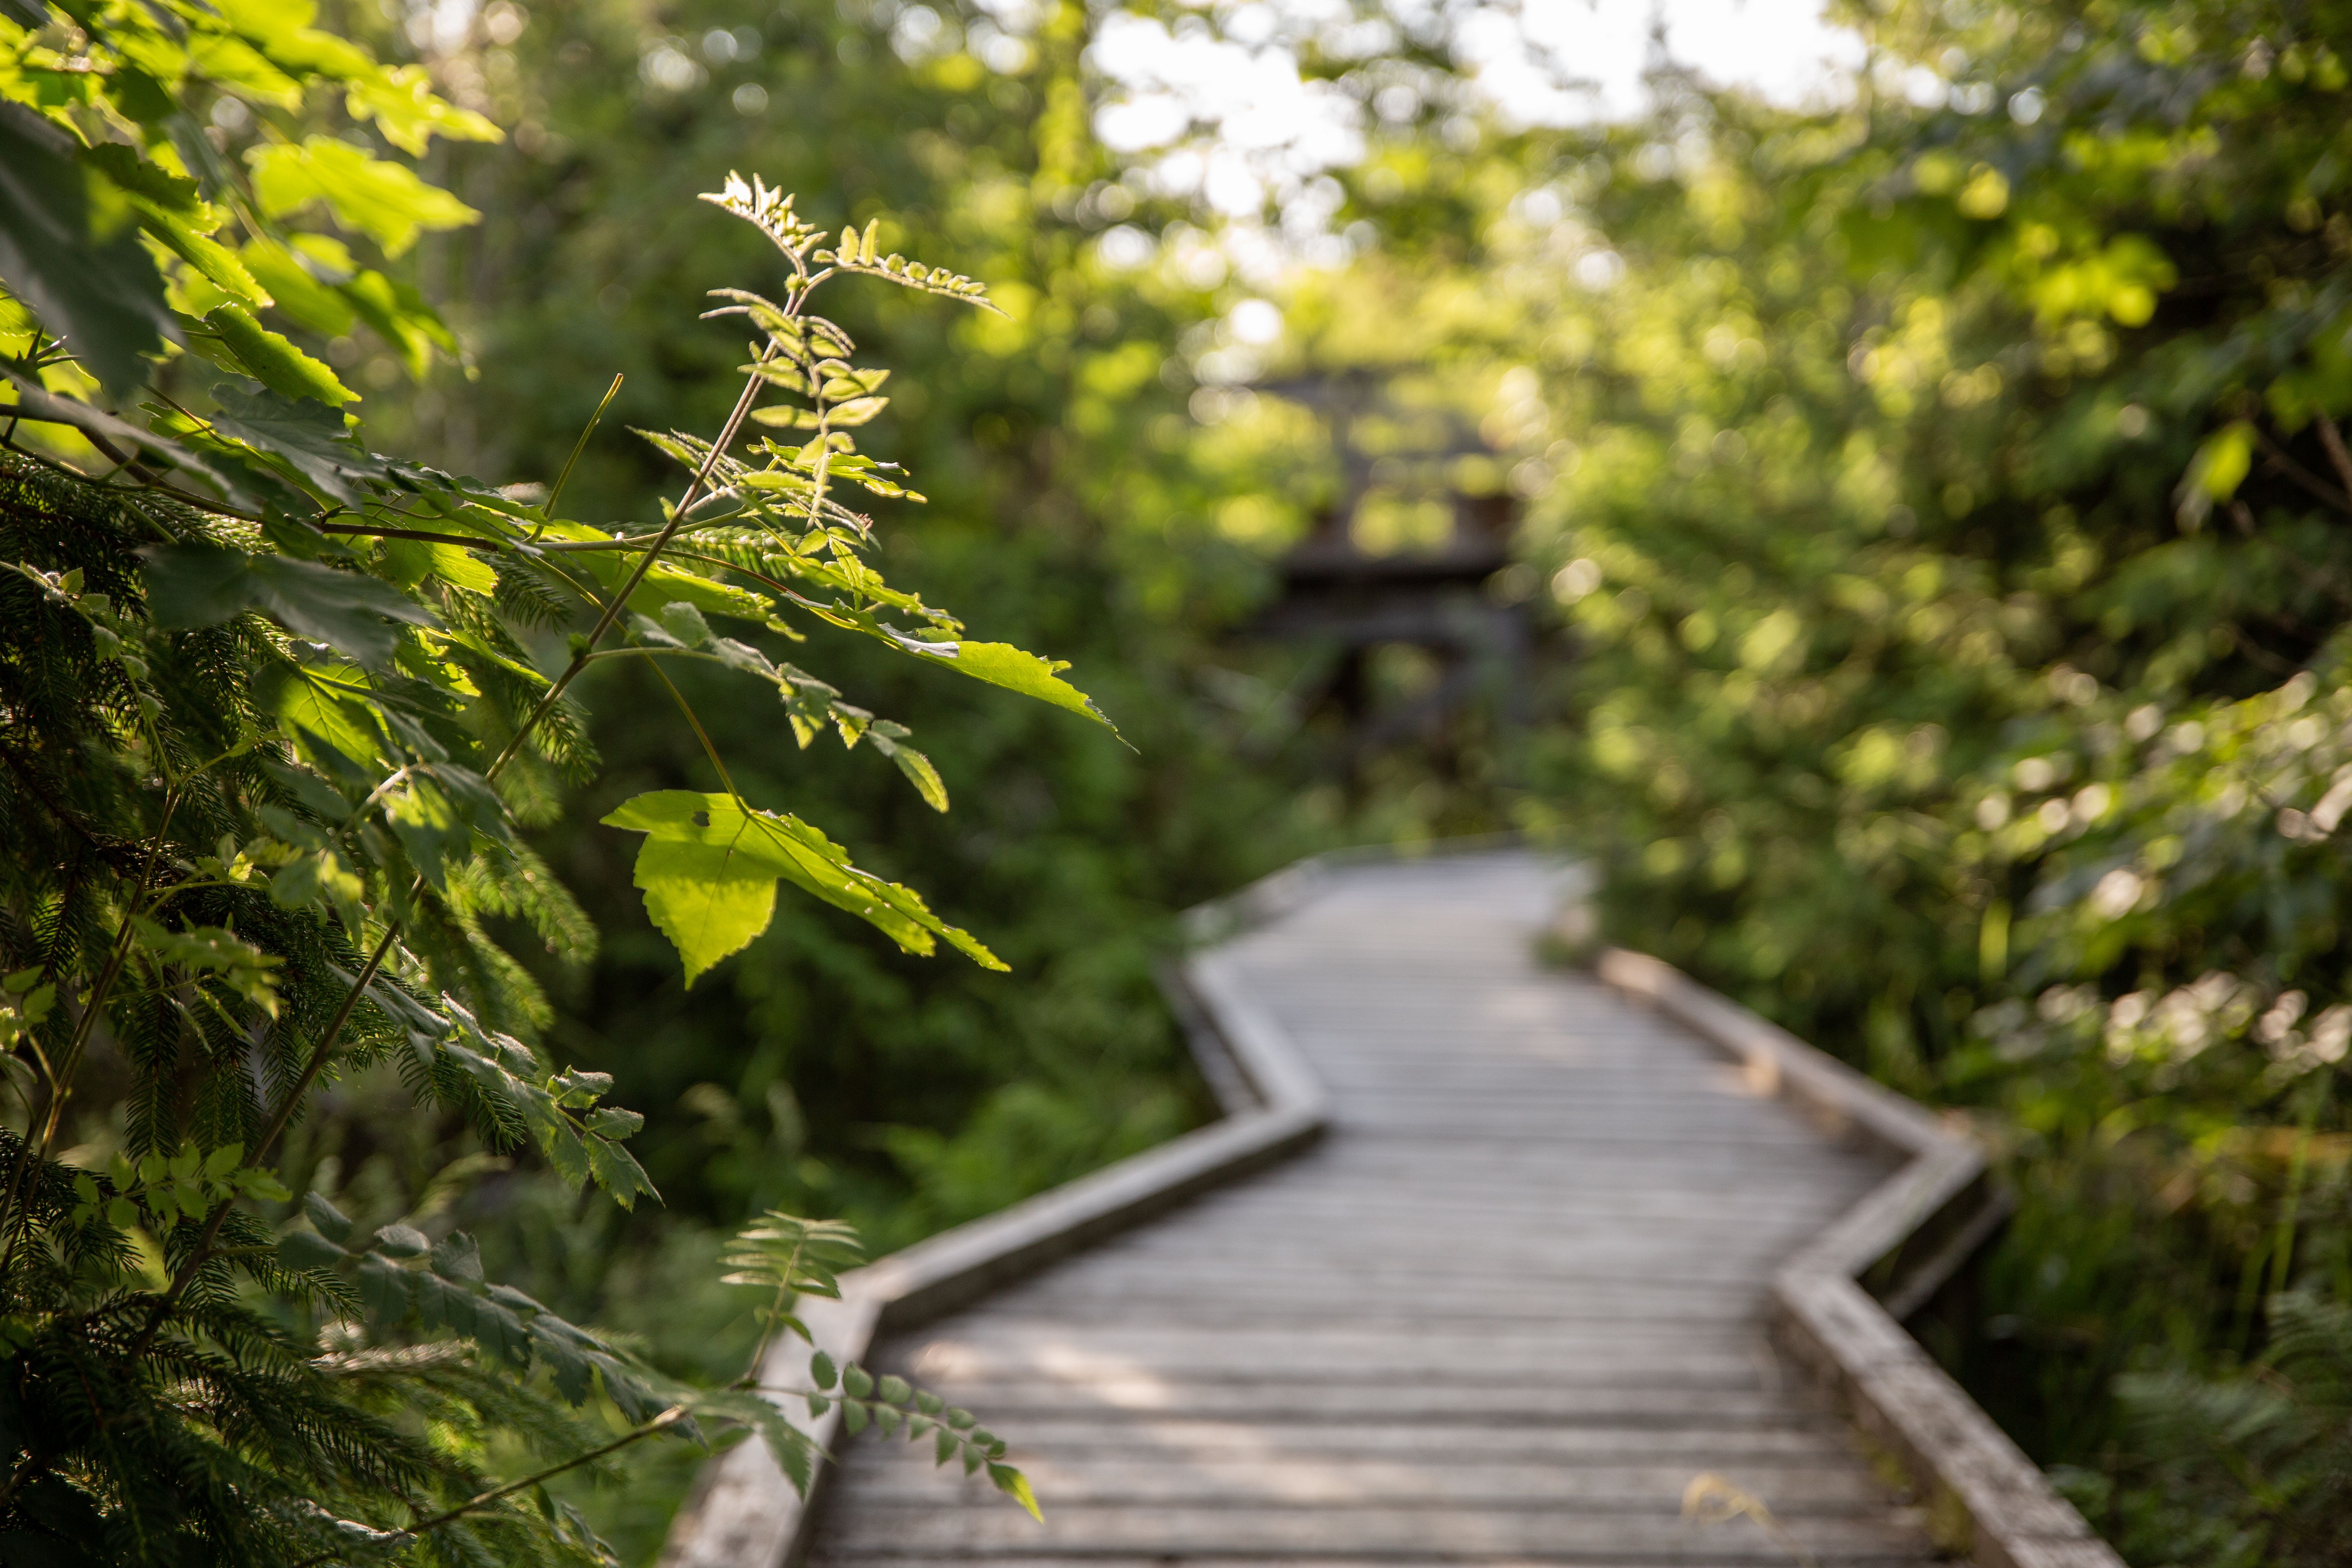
x: 1821, y: 1442
x: 1555, y: 1534
x: 888, y: 1475
x: 1636, y: 1403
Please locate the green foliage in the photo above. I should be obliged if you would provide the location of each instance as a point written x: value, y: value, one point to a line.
x: 103, y: 209
x: 2253, y: 1468
x: 817, y: 1073
x: 1948, y: 505
x: 276, y: 708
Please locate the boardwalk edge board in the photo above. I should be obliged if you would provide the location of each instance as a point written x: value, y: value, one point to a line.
x: 1839, y: 1302
x: 743, y: 1513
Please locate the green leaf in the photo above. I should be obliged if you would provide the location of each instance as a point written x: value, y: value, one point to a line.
x: 219, y: 265
x: 332, y: 1221
x: 1016, y: 1485
x: 708, y: 868
x: 611, y: 1121
x: 70, y: 249
x: 273, y: 360
x: 709, y: 899
x: 401, y: 1241
x: 1001, y: 664
x: 203, y: 584
x: 328, y: 703
x: 2215, y: 472
x: 383, y: 1289
x: 821, y: 1370
x: 897, y: 1390
x: 211, y: 949
x: 298, y: 297
x: 911, y: 763
x: 381, y: 199
x: 308, y: 438
x: 303, y: 1251
x: 410, y: 562
x: 616, y: 1171
x: 436, y: 813
x: 666, y: 584
x: 400, y: 99
x: 857, y: 1380
x: 944, y: 1447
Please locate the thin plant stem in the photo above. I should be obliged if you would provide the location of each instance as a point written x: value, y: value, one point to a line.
x: 547, y: 506
x: 612, y: 612
x: 638, y: 1434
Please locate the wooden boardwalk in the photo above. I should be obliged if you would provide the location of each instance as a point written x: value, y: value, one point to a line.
x: 1506, y: 1312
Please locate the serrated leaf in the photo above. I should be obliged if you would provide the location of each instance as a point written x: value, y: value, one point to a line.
x: 1001, y: 664
x: 308, y: 438
x: 857, y: 1380
x: 616, y: 1171
x: 384, y: 200
x: 821, y: 1370
x: 895, y: 1389
x: 944, y: 1447
x: 271, y: 359
x: 203, y: 584
x: 854, y: 1415
x: 401, y: 102
x: 708, y: 869
x: 918, y: 769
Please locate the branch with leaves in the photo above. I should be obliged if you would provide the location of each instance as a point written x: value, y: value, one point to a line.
x: 275, y: 709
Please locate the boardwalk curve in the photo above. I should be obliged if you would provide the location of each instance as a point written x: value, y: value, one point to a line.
x: 1509, y: 1309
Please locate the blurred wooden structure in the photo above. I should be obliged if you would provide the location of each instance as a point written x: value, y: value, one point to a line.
x: 1342, y: 595
x: 1487, y: 1263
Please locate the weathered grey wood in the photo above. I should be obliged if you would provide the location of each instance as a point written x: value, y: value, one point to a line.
x: 1563, y: 1534
x: 1510, y: 1308
x: 900, y: 1476
x: 1565, y: 1449
x: 1999, y: 1507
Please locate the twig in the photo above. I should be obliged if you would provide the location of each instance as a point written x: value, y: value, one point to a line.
x: 612, y: 612
x: 663, y: 1422
x: 2301, y: 475
x: 2338, y: 458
